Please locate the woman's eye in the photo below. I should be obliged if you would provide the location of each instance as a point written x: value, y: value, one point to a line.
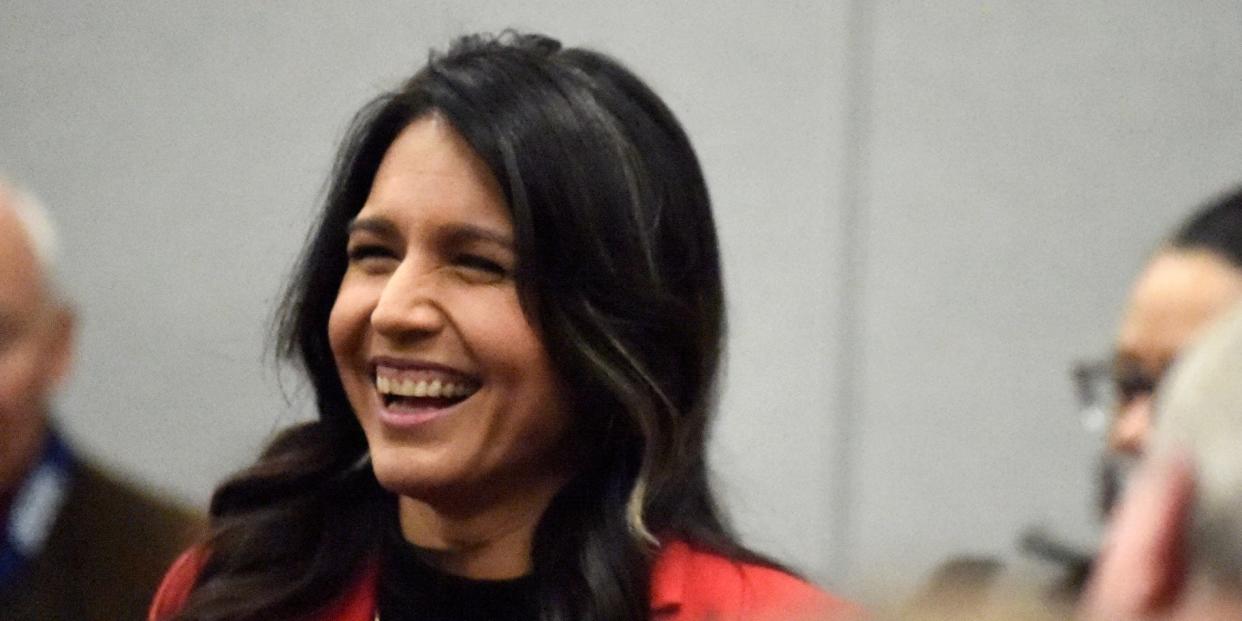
x: 483, y: 265
x: 363, y: 252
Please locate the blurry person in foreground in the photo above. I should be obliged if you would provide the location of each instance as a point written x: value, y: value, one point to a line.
x: 1190, y: 281
x: 76, y: 543
x: 1174, y: 550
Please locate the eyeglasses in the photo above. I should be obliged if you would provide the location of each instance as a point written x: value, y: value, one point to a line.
x: 1105, y: 388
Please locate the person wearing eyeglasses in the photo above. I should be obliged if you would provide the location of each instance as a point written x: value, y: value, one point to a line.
x: 1174, y: 548
x: 1190, y: 281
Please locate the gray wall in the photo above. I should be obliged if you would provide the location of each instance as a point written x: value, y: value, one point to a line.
x: 927, y: 212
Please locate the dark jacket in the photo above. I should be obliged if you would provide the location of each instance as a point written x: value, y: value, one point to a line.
x: 104, y: 556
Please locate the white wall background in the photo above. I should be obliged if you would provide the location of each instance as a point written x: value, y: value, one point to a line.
x: 928, y: 210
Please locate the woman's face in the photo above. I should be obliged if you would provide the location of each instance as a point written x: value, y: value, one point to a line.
x: 450, y: 382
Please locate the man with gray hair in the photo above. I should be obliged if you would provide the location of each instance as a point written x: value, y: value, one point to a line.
x: 76, y: 543
x: 1175, y: 549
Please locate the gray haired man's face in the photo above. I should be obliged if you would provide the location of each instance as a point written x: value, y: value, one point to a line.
x: 34, y: 348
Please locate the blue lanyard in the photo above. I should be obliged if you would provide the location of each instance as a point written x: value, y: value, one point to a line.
x: 35, y: 507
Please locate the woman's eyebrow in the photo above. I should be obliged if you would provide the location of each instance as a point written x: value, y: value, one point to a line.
x: 455, y: 233
x: 460, y: 233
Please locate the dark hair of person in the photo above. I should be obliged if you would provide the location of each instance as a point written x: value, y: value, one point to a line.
x: 619, y: 269
x: 1216, y: 227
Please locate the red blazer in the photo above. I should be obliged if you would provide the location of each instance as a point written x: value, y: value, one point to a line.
x: 686, y: 585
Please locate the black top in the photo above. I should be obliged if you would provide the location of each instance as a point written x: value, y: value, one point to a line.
x: 412, y: 590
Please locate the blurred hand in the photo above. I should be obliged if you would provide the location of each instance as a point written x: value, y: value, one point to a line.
x: 1141, y: 571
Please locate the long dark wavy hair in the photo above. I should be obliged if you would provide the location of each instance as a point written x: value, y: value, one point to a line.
x: 619, y: 268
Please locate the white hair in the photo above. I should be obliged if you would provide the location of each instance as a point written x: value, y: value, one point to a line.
x: 1199, y: 412
x: 36, y: 223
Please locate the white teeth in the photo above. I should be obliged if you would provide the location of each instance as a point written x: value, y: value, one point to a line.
x: 422, y: 388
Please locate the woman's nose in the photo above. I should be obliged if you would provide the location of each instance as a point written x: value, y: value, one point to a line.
x: 408, y: 305
x: 1128, y: 434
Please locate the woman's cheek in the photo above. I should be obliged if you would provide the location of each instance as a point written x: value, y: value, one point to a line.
x: 349, y: 318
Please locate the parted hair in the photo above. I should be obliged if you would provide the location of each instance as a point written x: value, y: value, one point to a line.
x: 617, y: 266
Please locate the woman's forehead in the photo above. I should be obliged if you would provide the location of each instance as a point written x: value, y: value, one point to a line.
x: 431, y: 148
x: 430, y: 171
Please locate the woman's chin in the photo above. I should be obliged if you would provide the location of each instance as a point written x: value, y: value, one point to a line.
x: 403, y: 483
x: 403, y: 478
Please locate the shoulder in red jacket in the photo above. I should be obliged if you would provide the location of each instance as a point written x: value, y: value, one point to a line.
x: 695, y: 585
x: 357, y: 603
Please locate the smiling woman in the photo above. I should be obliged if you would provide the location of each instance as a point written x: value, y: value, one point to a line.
x: 454, y: 391
x: 511, y: 312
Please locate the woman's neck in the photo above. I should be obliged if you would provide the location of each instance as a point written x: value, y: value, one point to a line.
x: 492, y: 543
